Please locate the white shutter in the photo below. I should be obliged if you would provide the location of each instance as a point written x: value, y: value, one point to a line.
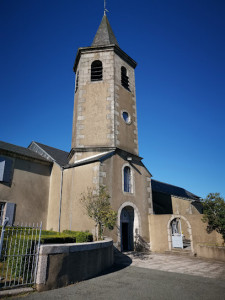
x: 2, y: 168
x: 10, y: 212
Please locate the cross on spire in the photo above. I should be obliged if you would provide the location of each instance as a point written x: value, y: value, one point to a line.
x: 105, y: 10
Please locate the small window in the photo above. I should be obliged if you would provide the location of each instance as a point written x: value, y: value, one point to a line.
x: 6, y: 169
x: 127, y: 180
x: 96, y: 70
x: 126, y: 117
x: 77, y: 82
x: 124, y: 78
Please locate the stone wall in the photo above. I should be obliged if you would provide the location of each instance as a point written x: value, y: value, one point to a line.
x: 93, y: 120
x: 212, y: 252
x: 61, y: 265
x: 160, y: 235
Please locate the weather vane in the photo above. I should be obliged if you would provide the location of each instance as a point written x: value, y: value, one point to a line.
x: 105, y: 10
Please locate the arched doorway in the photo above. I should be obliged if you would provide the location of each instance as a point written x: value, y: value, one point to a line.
x: 179, y: 233
x: 129, y: 226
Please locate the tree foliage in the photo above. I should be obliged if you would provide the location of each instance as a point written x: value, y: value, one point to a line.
x: 214, y: 213
x: 98, y: 208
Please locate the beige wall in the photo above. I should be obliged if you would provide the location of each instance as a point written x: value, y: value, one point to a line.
x: 98, y: 106
x: 212, y: 252
x: 54, y: 199
x: 29, y: 190
x: 159, y: 234
x: 126, y: 134
x: 93, y: 122
x: 109, y: 172
x: 183, y: 207
x: 75, y: 182
x: 111, y: 175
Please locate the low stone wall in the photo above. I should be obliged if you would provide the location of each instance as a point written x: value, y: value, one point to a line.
x: 63, y: 264
x: 213, y: 252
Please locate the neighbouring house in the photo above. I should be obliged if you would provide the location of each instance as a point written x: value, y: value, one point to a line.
x: 41, y: 183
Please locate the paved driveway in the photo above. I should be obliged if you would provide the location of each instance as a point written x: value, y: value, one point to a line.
x: 153, y: 276
x: 174, y: 263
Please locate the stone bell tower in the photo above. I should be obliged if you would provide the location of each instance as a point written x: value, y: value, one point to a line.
x: 104, y: 115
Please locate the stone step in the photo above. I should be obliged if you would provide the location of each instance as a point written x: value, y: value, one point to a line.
x: 180, y: 252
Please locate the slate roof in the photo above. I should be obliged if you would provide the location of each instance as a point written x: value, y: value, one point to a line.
x: 169, y: 189
x: 104, y: 35
x: 20, y: 150
x: 59, y: 156
x: 90, y: 159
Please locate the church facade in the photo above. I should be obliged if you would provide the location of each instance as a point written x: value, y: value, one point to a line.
x: 41, y: 183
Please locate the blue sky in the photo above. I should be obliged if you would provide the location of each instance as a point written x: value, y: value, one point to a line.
x: 179, y: 46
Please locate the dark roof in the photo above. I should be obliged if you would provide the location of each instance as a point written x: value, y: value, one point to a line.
x: 98, y: 157
x: 104, y: 35
x: 169, y: 189
x: 20, y: 150
x: 54, y: 154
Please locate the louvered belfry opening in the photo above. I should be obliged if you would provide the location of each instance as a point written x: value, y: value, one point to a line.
x: 96, y: 70
x: 124, y: 78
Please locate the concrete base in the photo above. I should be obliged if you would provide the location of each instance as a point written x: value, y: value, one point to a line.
x: 14, y: 292
x: 61, y: 265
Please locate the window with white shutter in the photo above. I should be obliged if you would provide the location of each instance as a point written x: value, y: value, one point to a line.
x: 6, y: 169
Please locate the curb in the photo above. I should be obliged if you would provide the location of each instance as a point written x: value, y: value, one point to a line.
x: 14, y: 292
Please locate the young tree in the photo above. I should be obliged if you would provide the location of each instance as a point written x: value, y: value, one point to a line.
x: 98, y: 208
x: 214, y: 213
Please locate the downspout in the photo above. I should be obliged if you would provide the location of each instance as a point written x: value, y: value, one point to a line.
x: 60, y: 200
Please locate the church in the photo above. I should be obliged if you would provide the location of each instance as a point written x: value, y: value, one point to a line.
x: 44, y: 184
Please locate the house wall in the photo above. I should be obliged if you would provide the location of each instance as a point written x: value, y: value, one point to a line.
x: 29, y: 190
x: 159, y: 233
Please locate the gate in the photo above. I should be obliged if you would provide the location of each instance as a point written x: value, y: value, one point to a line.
x: 177, y: 236
x: 19, y: 251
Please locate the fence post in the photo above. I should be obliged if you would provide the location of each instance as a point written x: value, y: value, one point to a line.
x: 5, y: 222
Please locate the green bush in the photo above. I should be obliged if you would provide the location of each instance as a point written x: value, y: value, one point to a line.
x: 81, y: 237
x: 67, y: 236
x: 57, y: 239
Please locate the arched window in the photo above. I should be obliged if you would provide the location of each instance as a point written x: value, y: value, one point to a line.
x: 127, y: 181
x: 124, y: 78
x: 77, y: 81
x: 96, y: 70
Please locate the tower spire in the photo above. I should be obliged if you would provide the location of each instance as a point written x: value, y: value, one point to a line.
x: 104, y: 35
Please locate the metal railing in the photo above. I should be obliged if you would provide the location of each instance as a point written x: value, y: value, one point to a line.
x: 19, y: 252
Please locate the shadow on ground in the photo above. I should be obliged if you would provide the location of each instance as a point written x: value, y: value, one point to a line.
x: 121, y: 261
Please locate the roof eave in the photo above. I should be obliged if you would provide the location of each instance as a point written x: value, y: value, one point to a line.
x: 25, y: 157
x: 116, y: 49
